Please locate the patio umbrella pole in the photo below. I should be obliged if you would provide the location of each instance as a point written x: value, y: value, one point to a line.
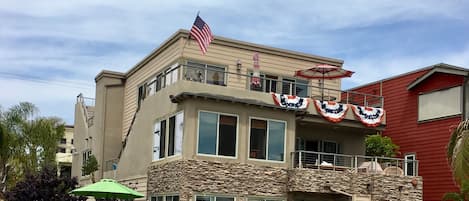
x: 322, y: 86
x: 319, y: 72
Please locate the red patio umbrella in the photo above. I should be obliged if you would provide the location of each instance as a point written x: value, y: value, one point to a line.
x: 323, y: 71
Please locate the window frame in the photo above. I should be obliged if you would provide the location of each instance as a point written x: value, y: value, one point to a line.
x: 61, y: 150
x: 175, y: 128
x: 214, y: 196
x: 166, y: 136
x: 141, y: 94
x: 265, y: 77
x: 205, y: 71
x: 218, y: 134
x: 267, y: 140
x: 461, y: 101
x: 293, y: 85
x: 164, y: 196
x: 414, y: 165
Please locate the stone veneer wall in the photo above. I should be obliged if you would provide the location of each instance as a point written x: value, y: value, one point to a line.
x: 384, y: 187
x: 191, y: 177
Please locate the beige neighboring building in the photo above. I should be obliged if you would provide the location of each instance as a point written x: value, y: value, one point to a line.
x: 64, y: 152
x: 180, y: 125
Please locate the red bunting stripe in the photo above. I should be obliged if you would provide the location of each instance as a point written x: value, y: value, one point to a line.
x: 369, y: 116
x: 330, y: 110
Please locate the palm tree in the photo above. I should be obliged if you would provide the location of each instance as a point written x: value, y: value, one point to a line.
x: 458, y: 152
x: 27, y: 142
x: 462, y: 196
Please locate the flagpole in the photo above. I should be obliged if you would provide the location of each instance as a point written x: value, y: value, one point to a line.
x: 189, y: 37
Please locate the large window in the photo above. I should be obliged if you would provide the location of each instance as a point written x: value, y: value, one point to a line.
x: 61, y: 150
x: 163, y: 79
x: 295, y: 87
x: 268, y: 84
x: 439, y: 104
x: 175, y: 134
x: 217, y: 134
x: 205, y: 73
x: 267, y: 140
x: 329, y: 147
x: 171, y: 74
x: 140, y: 96
x: 213, y: 198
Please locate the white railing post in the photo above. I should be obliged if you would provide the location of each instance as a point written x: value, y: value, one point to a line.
x: 375, y: 164
x: 356, y: 164
x: 334, y: 163
x: 300, y: 164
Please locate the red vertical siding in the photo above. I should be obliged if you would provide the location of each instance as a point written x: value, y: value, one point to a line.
x: 428, y: 140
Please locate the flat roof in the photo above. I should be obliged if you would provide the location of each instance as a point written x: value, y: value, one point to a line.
x: 182, y: 33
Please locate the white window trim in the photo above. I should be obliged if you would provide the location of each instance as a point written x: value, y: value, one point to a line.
x: 183, y: 129
x: 218, y: 133
x: 406, y: 156
x: 166, y: 139
x: 153, y: 135
x: 267, y: 141
x: 215, y: 196
x: 421, y: 119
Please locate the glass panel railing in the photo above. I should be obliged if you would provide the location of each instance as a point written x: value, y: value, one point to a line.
x: 218, y: 75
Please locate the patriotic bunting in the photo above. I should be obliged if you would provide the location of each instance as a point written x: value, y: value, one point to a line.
x: 332, y: 111
x: 290, y: 102
x: 369, y: 116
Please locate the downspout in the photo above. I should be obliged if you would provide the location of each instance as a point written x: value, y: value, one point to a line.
x: 464, y: 98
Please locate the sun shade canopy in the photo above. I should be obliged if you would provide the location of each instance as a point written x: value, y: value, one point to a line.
x: 107, y: 188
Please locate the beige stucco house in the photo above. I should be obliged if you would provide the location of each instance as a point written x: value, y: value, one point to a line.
x: 181, y: 125
x: 65, y: 148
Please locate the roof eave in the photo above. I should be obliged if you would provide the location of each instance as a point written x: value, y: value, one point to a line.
x: 441, y: 68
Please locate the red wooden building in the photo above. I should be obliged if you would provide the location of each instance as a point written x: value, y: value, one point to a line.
x: 422, y: 107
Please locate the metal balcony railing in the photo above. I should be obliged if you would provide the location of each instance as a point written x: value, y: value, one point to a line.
x: 216, y: 75
x: 354, y: 163
x: 87, y: 103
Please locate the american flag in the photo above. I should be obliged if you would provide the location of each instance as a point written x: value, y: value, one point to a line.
x: 202, y: 34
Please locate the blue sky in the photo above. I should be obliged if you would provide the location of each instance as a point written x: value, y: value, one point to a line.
x: 51, y: 50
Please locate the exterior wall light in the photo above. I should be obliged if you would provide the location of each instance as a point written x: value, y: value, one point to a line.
x: 238, y: 65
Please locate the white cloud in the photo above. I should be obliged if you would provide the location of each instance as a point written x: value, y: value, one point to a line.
x: 53, y: 98
x: 76, y: 38
x: 369, y: 69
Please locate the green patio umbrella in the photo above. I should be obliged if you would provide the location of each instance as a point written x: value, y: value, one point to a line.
x: 107, y: 188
